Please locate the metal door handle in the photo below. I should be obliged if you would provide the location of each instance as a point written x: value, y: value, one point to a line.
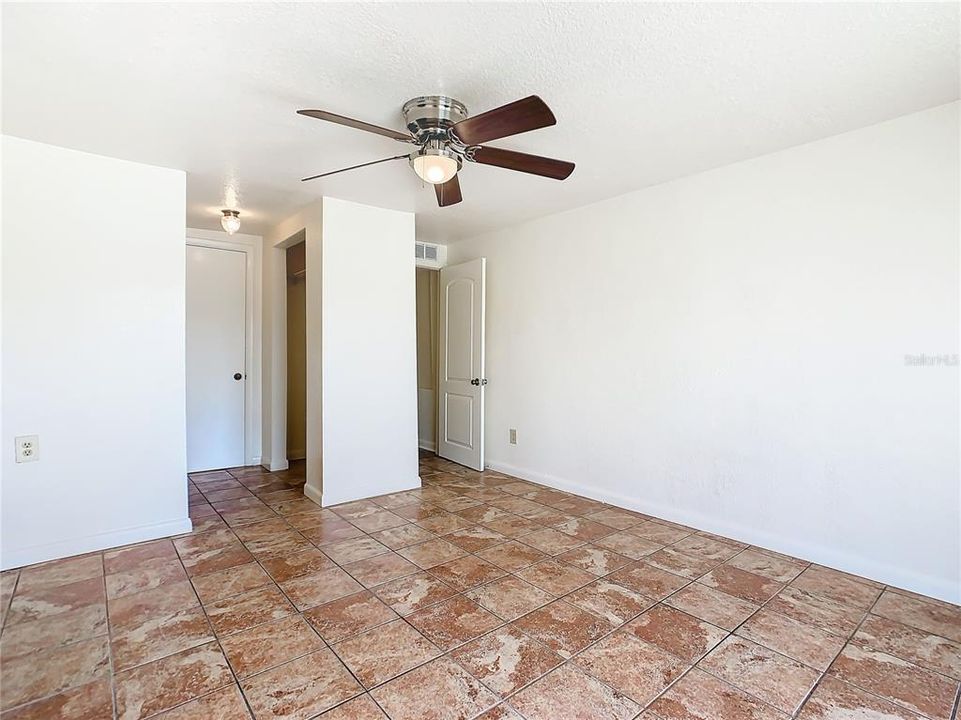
x: 238, y: 376
x: 478, y: 381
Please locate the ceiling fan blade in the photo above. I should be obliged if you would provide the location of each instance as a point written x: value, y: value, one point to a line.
x: 357, y: 124
x: 448, y: 193
x: 522, y: 162
x: 353, y: 167
x: 519, y: 116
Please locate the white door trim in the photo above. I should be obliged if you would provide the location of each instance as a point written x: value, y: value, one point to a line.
x: 251, y: 246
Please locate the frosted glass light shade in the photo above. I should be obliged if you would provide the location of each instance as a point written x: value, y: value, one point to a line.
x: 230, y: 222
x: 435, y: 169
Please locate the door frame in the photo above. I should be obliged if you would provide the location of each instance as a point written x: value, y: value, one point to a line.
x: 252, y: 247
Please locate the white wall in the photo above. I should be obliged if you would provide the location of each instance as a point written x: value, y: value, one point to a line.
x: 93, y: 351
x: 361, y: 350
x: 369, y: 351
x: 728, y: 350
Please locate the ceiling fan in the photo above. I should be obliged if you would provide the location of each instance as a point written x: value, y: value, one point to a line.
x: 446, y: 136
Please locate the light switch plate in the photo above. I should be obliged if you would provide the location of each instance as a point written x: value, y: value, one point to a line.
x: 513, y: 435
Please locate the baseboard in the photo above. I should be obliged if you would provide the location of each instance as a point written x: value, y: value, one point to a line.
x: 277, y: 466
x: 400, y: 486
x: 296, y: 455
x: 314, y: 494
x: 830, y: 557
x: 18, y: 557
x: 428, y: 445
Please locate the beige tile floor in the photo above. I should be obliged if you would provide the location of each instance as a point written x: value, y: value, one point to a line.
x: 476, y: 596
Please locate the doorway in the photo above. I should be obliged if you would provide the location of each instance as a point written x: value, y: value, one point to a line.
x: 427, y: 356
x: 216, y: 357
x: 297, y: 352
x: 451, y: 381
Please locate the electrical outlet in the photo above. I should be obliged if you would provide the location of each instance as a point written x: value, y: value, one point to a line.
x: 513, y: 436
x: 28, y: 448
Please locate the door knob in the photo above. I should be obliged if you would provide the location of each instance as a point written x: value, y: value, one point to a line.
x: 478, y: 381
x: 238, y: 376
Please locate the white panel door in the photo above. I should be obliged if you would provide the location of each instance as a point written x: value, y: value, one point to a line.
x: 460, y: 407
x: 216, y: 352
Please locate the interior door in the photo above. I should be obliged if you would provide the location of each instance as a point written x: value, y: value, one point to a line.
x: 216, y: 355
x: 460, y: 411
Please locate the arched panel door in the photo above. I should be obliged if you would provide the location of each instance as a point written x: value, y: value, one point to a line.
x: 461, y: 384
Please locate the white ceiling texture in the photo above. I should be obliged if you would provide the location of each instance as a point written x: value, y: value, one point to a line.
x: 643, y: 93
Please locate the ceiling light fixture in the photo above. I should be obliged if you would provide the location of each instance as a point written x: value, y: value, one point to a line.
x: 230, y: 222
x: 435, y: 164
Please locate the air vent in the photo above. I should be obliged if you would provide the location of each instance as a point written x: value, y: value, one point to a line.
x: 429, y: 255
x: 425, y: 251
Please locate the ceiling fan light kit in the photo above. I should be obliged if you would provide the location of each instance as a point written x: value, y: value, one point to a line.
x: 446, y: 137
x: 434, y: 163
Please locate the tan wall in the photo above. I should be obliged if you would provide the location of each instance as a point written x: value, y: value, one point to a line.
x: 296, y: 368
x: 426, y: 293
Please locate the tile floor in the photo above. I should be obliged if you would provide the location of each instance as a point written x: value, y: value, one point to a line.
x: 477, y: 596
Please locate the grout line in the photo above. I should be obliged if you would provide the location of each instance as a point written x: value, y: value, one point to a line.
x: 821, y: 673
x: 216, y: 639
x: 432, y: 480
x: 570, y: 661
x: 662, y: 602
x: 5, y: 612
x: 61, y: 646
x: 106, y: 615
x: 298, y: 613
x: 824, y: 673
x: 870, y: 692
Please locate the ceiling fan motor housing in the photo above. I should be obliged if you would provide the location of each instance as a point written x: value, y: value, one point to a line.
x: 428, y: 117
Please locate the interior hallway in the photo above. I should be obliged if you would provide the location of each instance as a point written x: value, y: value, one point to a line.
x: 478, y: 595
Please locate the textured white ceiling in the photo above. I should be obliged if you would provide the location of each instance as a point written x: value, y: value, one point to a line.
x: 642, y: 92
